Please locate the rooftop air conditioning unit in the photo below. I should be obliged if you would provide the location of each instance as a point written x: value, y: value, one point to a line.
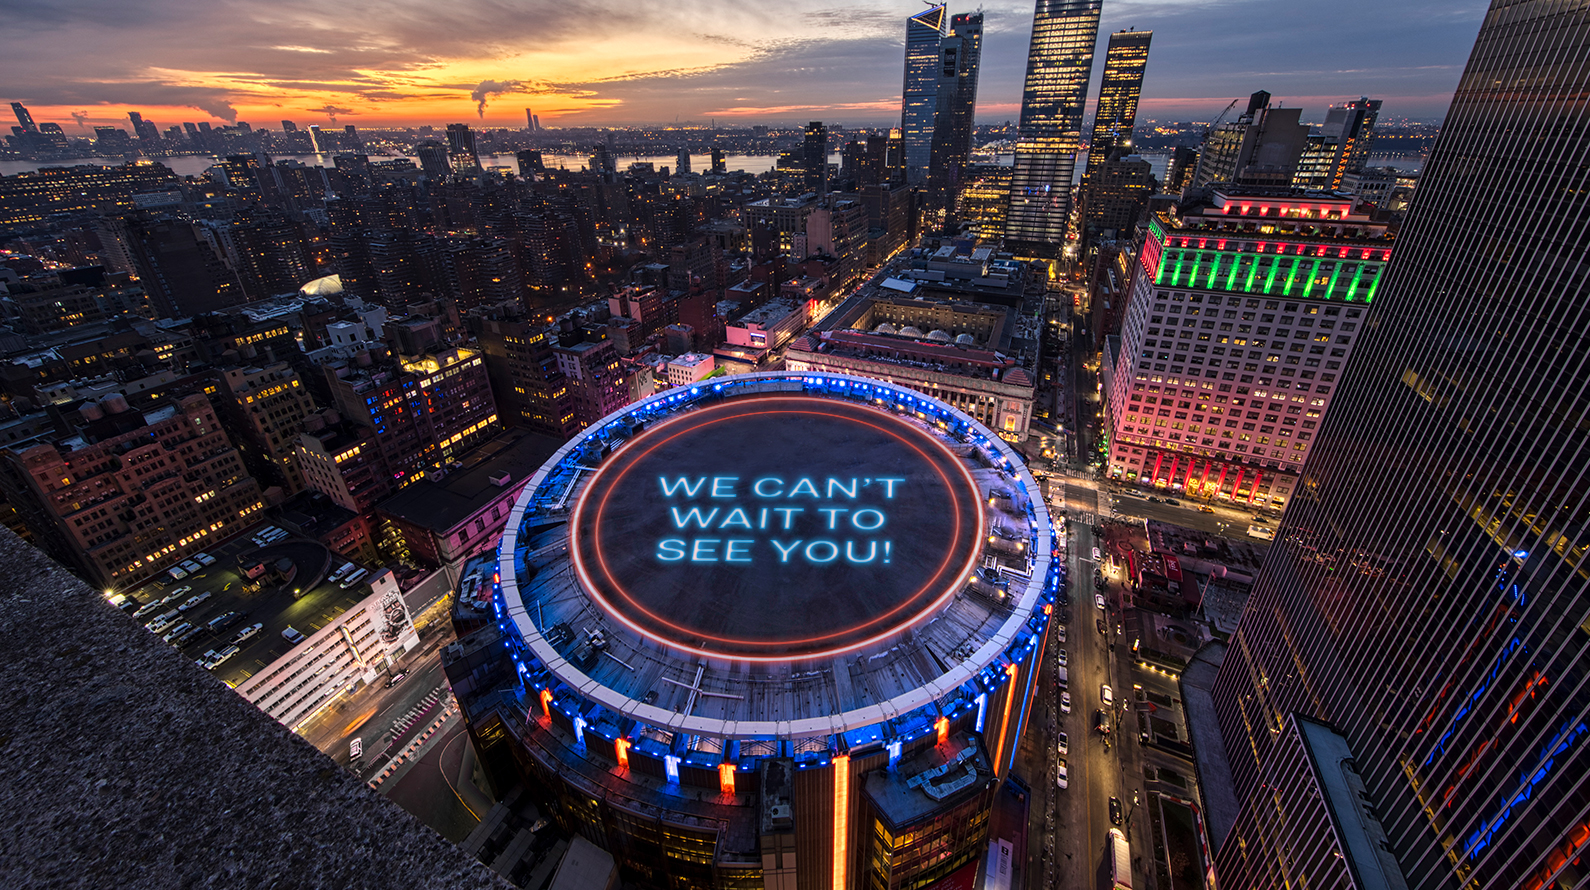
x: 502, y: 480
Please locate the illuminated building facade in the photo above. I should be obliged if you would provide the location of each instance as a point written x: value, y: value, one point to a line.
x: 1242, y: 316
x: 960, y: 56
x: 1124, y: 64
x: 1426, y: 594
x: 919, y: 95
x: 134, y: 492
x: 266, y: 407
x: 719, y: 718
x: 1059, y: 64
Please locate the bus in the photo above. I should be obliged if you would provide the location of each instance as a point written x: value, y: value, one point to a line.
x: 1120, y: 861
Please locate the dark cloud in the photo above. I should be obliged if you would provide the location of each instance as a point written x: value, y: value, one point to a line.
x: 487, y: 88
x: 331, y: 111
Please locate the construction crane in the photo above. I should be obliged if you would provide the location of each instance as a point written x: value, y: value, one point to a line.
x: 1203, y: 148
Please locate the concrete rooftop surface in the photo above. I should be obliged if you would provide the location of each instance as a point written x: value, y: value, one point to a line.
x: 125, y: 765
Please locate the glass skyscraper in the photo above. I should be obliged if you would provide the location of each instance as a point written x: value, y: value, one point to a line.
x: 1059, y: 63
x: 960, y: 53
x: 1428, y: 595
x: 1124, y: 64
x: 919, y: 95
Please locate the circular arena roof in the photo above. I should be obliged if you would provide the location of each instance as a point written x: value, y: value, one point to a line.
x: 774, y: 555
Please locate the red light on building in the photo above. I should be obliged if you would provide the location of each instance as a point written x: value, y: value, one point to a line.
x: 942, y: 725
x: 621, y: 748
x: 546, y: 703
x: 726, y: 778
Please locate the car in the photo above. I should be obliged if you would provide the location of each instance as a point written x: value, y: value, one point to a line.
x: 163, y: 621
x: 221, y: 657
x: 1061, y: 629
x: 1115, y: 810
x: 1154, y: 499
x: 1065, y: 702
x: 293, y: 636
x: 1173, y: 502
x: 177, y: 631
x: 1107, y: 695
x: 1065, y: 745
x: 1062, y: 657
x: 356, y: 749
x: 1206, y: 509
x: 396, y: 679
x: 176, y: 573
x: 1061, y: 778
x: 1098, y: 600
x: 204, y: 559
x: 179, y: 591
x: 1100, y: 625
x: 1101, y: 722
x: 337, y: 575
x: 1095, y: 554
x: 246, y: 633
x: 194, y: 602
x: 153, y: 606
x: 222, y: 622
x: 191, y: 566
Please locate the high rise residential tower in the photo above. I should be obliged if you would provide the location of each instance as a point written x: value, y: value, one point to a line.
x: 919, y: 95
x: 1124, y: 64
x: 1426, y: 598
x: 1059, y: 63
x: 461, y: 149
x: 960, y: 54
x: 24, y: 117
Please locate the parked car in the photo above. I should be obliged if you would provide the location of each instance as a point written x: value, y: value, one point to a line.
x: 1065, y: 702
x: 1062, y: 657
x: 293, y: 636
x: 1107, y: 695
x: 222, y: 622
x: 1098, y: 600
x: 204, y: 559
x: 194, y: 602
x: 177, y: 631
x: 1173, y: 502
x: 246, y: 633
x: 221, y: 657
x: 1065, y: 746
x: 1061, y: 776
x: 1115, y: 810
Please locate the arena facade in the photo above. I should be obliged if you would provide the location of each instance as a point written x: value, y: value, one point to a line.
x: 773, y: 630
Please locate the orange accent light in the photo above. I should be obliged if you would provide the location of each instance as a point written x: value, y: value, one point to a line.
x: 943, y: 727
x: 842, y: 817
x: 726, y: 778
x: 546, y: 703
x: 621, y: 745
x: 1004, y: 723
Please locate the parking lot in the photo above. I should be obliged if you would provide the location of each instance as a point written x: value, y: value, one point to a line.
x: 299, y: 595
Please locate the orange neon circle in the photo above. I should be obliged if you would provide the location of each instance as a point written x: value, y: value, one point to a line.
x: 692, y: 422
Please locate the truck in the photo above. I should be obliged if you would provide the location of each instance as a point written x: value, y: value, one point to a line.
x: 1120, y: 861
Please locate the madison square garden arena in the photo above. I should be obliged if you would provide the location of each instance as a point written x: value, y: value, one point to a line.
x: 775, y: 630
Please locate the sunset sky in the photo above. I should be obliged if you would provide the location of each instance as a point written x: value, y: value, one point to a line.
x: 83, y: 63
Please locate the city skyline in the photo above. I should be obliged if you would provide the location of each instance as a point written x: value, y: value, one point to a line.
x: 709, y: 61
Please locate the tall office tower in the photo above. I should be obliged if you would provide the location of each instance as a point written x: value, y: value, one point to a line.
x: 960, y: 52
x: 289, y: 127
x: 529, y: 120
x: 1059, y: 63
x: 350, y: 135
x: 814, y: 157
x: 461, y: 152
x: 682, y: 160
x: 1240, y: 321
x: 919, y: 95
x: 148, y: 134
x: 433, y: 159
x: 1426, y: 595
x: 1116, y: 115
x: 530, y: 162
x: 24, y: 117
x: 1351, y: 127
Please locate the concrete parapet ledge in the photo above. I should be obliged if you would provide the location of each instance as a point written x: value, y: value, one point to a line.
x: 127, y: 766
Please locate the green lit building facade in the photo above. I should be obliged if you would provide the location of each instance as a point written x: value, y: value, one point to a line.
x: 1244, y: 310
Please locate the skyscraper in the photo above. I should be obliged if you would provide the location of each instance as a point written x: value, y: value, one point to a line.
x: 461, y: 149
x: 960, y: 52
x: 1059, y: 63
x: 814, y: 157
x: 919, y: 95
x: 1124, y: 64
x: 24, y: 117
x: 529, y: 120
x: 1426, y: 595
x: 682, y: 160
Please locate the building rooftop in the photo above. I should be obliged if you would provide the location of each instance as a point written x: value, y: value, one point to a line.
x: 440, y: 504
x: 136, y: 769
